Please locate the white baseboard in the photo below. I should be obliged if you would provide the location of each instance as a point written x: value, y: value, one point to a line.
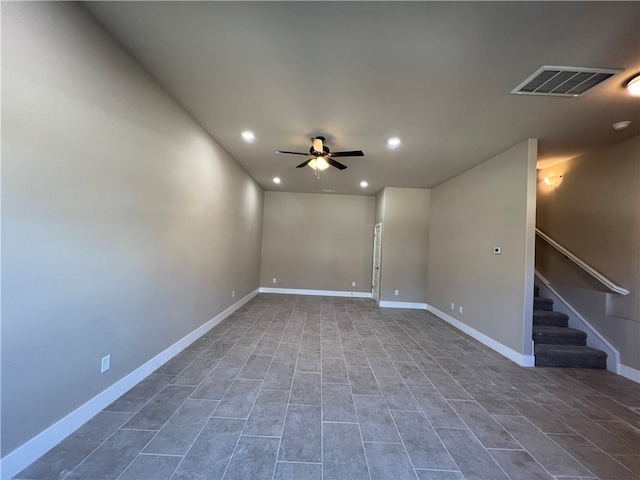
x: 629, y: 372
x: 388, y: 304
x: 520, y: 359
x: 324, y: 293
x: 27, y: 453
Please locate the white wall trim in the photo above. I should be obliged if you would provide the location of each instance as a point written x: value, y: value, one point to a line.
x: 30, y: 451
x: 629, y: 372
x: 325, y: 293
x: 520, y: 359
x: 388, y: 304
x: 613, y: 359
x: 529, y: 248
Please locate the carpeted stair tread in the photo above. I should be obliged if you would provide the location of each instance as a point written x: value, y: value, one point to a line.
x: 550, y: 319
x: 557, y: 345
x: 542, y: 303
x: 569, y: 356
x: 558, y: 336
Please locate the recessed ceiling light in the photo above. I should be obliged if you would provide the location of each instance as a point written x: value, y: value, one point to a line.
x: 621, y: 125
x: 276, y: 180
x: 248, y: 136
x: 393, y: 142
x: 633, y: 87
x: 364, y: 184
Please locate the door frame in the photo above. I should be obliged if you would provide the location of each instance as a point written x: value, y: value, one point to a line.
x: 375, y: 275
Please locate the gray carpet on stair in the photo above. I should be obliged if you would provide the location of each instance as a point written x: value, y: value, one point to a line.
x: 557, y: 345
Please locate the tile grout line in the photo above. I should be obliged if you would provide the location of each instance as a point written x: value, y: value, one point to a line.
x: 218, y: 401
x: 286, y: 413
x: 211, y: 416
x: 355, y: 409
x: 391, y: 415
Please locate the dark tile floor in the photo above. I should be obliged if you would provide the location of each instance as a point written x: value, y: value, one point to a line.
x: 295, y: 388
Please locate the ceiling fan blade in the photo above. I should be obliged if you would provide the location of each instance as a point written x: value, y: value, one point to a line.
x: 291, y: 153
x: 317, y: 144
x: 336, y: 164
x: 354, y: 153
x: 304, y: 164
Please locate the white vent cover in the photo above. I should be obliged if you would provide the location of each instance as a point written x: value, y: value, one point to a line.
x: 564, y: 81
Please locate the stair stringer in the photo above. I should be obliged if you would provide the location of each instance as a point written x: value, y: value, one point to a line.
x: 576, y: 320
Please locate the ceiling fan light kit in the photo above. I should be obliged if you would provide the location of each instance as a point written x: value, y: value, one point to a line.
x: 319, y: 163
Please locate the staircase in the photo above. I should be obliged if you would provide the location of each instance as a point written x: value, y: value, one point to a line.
x: 557, y: 345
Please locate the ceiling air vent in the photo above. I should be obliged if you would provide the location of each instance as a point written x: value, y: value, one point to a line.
x: 564, y: 81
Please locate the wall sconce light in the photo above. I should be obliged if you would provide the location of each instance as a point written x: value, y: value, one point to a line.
x: 552, y: 180
x: 633, y: 86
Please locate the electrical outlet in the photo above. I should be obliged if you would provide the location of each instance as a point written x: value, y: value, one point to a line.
x: 353, y: 284
x: 453, y: 306
x: 274, y: 279
x: 396, y: 293
x: 233, y: 294
x: 106, y: 364
x: 460, y: 309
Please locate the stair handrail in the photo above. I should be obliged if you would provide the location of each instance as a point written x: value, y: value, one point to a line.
x: 586, y: 267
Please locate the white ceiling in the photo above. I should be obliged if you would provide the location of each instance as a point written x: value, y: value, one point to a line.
x: 436, y: 74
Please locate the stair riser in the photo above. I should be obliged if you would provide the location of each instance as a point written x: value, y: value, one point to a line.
x: 560, y: 340
x: 550, y: 321
x: 570, y: 362
x: 541, y: 303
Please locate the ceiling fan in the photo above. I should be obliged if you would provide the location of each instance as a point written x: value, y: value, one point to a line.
x: 322, y: 157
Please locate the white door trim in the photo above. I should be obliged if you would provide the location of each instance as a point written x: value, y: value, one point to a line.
x: 377, y: 249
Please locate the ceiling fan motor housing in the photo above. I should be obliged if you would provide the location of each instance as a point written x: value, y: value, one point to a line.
x: 314, y: 152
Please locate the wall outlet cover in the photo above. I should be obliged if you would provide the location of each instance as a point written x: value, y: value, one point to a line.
x: 105, y: 364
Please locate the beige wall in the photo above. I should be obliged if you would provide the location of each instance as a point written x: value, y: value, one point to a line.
x: 124, y: 225
x: 594, y: 212
x: 317, y: 242
x: 405, y: 238
x: 490, y: 205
